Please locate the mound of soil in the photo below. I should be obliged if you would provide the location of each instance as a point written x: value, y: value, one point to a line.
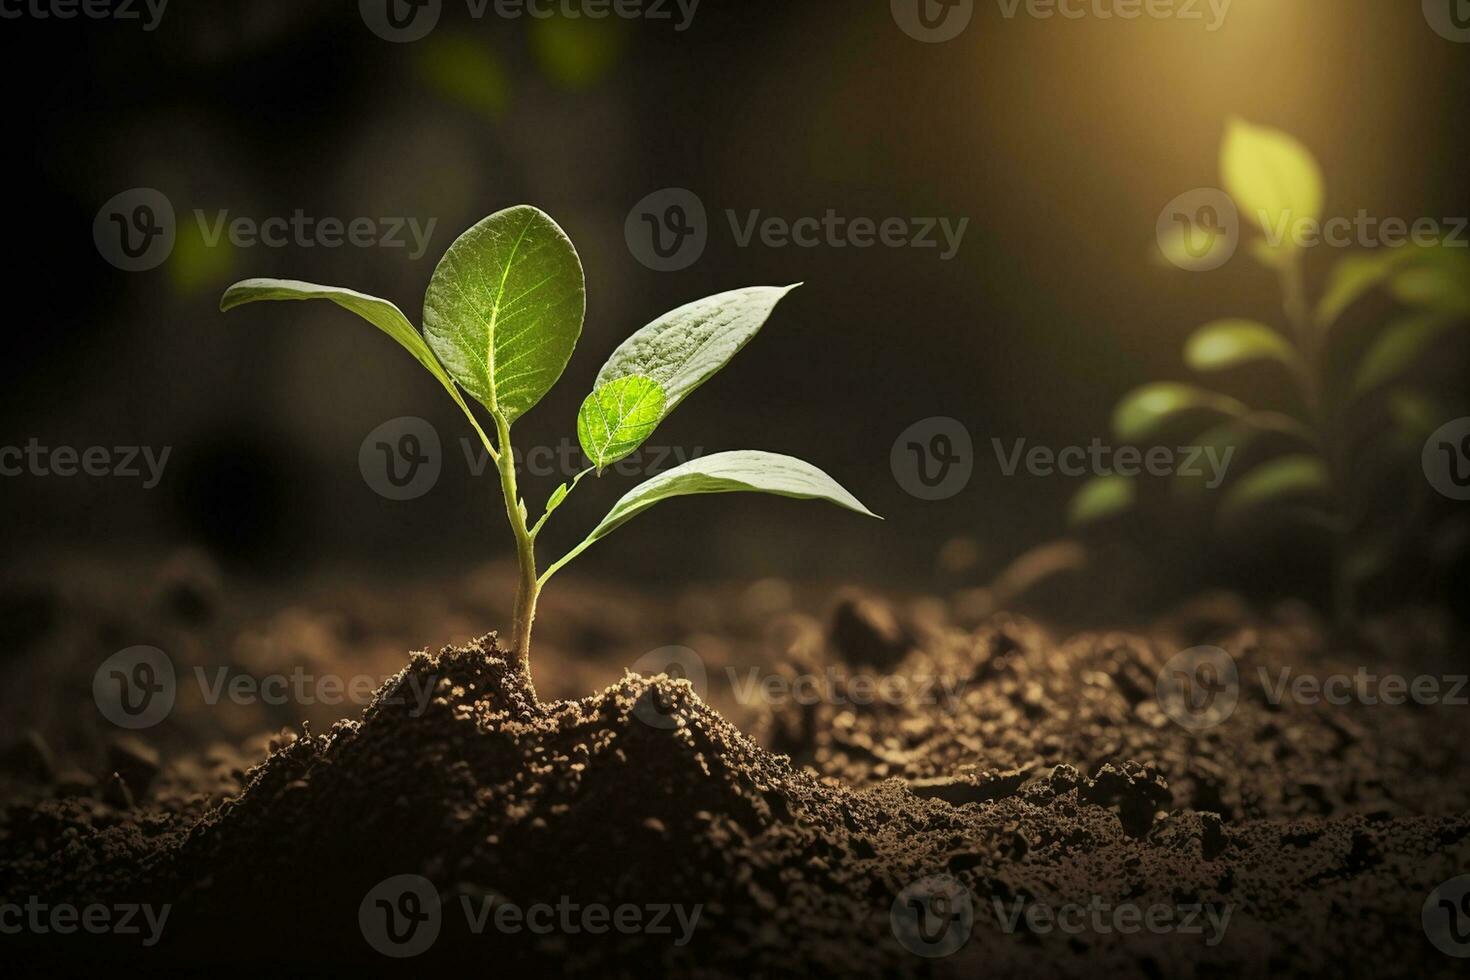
x: 1006, y: 831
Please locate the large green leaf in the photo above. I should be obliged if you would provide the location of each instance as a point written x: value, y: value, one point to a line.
x: 1147, y: 410
x: 1273, y: 179
x: 379, y: 312
x: 682, y: 349
x: 504, y: 309
x: 1400, y: 346
x: 1353, y: 276
x: 617, y: 417
x: 1227, y: 343
x: 1100, y: 498
x: 1281, y: 480
x: 730, y: 472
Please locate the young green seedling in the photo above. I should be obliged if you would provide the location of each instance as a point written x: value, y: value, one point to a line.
x: 502, y: 314
x: 1345, y: 458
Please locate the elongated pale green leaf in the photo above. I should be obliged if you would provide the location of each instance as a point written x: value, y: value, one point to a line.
x: 1228, y: 343
x: 1145, y: 411
x: 742, y: 470
x: 617, y: 417
x: 1283, y: 479
x: 1398, y: 348
x: 1100, y: 498
x: 504, y: 309
x: 1273, y: 179
x: 683, y: 348
x: 379, y: 312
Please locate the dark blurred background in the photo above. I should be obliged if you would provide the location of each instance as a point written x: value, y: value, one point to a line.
x: 1059, y: 140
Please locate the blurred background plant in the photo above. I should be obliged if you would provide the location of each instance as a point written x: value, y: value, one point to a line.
x: 1332, y: 462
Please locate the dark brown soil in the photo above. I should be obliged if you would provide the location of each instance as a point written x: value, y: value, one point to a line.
x: 1051, y: 778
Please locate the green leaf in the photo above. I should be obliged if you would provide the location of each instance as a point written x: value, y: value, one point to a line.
x: 1100, y: 498
x: 1282, y: 479
x: 1352, y: 277
x: 504, y: 309
x: 1227, y: 343
x: 742, y: 470
x: 1147, y: 410
x: 1440, y: 280
x: 1398, y: 348
x: 682, y: 349
x: 379, y: 312
x: 618, y: 416
x: 1273, y: 179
